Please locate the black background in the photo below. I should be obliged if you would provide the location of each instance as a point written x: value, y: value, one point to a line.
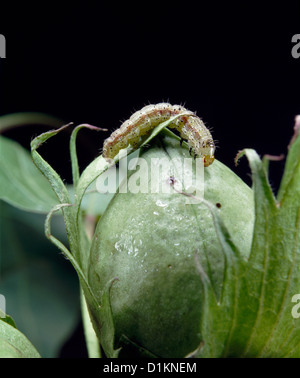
x: 96, y: 62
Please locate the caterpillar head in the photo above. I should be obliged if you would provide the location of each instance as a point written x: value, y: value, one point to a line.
x: 208, y: 160
x: 208, y: 152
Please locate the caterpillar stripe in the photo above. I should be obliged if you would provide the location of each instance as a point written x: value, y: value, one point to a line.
x: 141, y: 123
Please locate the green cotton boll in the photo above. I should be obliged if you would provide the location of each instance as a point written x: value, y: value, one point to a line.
x: 152, y: 243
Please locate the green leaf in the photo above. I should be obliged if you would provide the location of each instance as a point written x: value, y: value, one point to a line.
x: 107, y: 322
x: 160, y: 127
x: 40, y: 286
x: 77, y: 237
x: 7, y: 319
x: 290, y: 172
x: 9, y: 121
x: 94, y: 203
x: 220, y: 316
x: 73, y: 153
x: 92, y: 342
x: 67, y: 253
x: 52, y: 176
x: 261, y: 320
x: 21, y: 184
x: 60, y: 190
x: 13, y: 344
x: 264, y: 326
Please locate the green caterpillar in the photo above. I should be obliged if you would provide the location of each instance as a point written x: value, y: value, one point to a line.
x: 141, y: 123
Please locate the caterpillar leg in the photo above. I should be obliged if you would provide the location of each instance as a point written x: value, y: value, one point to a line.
x: 181, y: 141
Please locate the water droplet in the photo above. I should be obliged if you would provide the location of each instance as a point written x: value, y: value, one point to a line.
x: 161, y: 204
x: 118, y: 245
